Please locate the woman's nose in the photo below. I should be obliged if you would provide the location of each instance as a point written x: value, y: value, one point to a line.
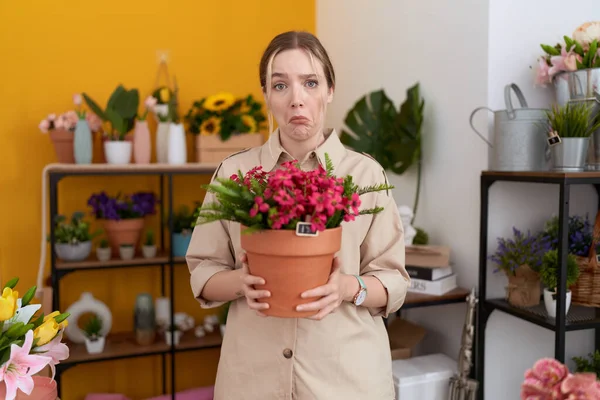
x: 297, y: 100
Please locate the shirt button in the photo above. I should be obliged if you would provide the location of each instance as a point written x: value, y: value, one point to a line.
x: 287, y: 353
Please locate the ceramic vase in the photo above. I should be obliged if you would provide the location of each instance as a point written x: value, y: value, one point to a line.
x: 73, y: 252
x: 181, y: 242
x: 290, y: 264
x: 141, y: 142
x: 87, y: 304
x: 162, y: 142
x: 144, y: 320
x: 82, y: 143
x: 177, y: 151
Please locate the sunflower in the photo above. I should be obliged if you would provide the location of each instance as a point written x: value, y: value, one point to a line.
x: 165, y: 95
x: 219, y: 102
x: 211, y: 126
x: 249, y: 122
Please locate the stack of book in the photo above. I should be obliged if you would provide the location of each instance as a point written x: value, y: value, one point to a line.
x: 430, y: 270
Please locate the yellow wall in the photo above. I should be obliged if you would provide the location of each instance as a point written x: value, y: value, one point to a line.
x: 52, y: 49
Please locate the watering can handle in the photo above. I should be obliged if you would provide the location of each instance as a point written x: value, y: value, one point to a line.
x: 473, y: 127
x: 508, y: 101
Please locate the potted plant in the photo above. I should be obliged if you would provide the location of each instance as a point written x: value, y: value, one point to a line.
x: 551, y: 379
x: 183, y: 223
x: 161, y: 111
x: 120, y: 112
x: 549, y: 276
x: 122, y: 215
x: 580, y: 234
x: 223, y: 124
x: 177, y: 147
x: 73, y: 239
x: 94, y: 341
x: 289, y: 219
x: 591, y: 363
x: 520, y: 258
x: 27, y: 336
x: 390, y: 136
x: 173, y: 334
x: 126, y: 251
x: 571, y: 126
x: 141, y: 135
x: 103, y: 252
x: 149, y: 247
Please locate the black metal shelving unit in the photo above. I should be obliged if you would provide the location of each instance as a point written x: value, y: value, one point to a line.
x: 58, y: 172
x: 579, y: 317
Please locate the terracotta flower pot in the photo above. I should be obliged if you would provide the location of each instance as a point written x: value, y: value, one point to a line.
x: 44, y: 388
x: 290, y: 264
x: 125, y: 231
x: 63, y: 145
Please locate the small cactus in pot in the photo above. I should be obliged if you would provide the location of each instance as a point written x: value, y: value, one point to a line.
x: 149, y: 247
x: 103, y: 252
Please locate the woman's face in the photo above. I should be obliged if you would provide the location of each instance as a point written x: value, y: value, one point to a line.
x: 298, y: 95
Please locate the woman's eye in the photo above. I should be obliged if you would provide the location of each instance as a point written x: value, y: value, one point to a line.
x: 279, y: 86
x: 312, y: 84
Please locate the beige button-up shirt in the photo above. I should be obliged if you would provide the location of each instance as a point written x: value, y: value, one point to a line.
x: 345, y: 356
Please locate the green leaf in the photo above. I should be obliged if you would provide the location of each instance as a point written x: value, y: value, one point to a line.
x: 12, y: 283
x: 94, y: 107
x: 61, y: 317
x: 4, y: 355
x: 550, y: 50
x: 116, y: 121
x: 119, y: 90
x: 126, y: 105
x: 27, y: 297
x: 578, y: 48
x: 568, y: 43
x: 38, y: 321
x: 592, y: 53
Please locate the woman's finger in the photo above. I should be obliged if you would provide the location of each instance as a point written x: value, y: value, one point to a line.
x: 324, y: 312
x: 320, y: 304
x: 320, y: 291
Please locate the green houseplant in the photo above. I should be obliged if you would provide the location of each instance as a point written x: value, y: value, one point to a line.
x: 94, y: 341
x: 549, y: 276
x: 591, y: 363
x: 73, y: 238
x: 390, y: 136
x: 573, y: 123
x: 149, y: 246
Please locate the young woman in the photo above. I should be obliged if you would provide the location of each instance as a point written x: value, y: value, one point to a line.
x: 343, y: 351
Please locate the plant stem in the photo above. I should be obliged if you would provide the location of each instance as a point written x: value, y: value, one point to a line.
x: 418, y: 191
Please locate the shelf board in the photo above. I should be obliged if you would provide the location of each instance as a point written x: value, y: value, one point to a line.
x: 578, y: 317
x: 132, y: 169
x: 93, y: 263
x: 584, y: 177
x: 123, y: 345
x: 414, y: 300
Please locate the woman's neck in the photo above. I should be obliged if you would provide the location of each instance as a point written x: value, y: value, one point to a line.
x: 299, y: 149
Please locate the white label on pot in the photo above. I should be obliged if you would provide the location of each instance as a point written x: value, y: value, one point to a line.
x: 304, y: 229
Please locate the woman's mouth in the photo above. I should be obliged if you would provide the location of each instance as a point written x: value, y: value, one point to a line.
x: 298, y: 119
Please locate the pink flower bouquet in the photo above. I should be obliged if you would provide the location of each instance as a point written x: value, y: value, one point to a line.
x: 68, y: 120
x: 551, y: 380
x: 578, y: 52
x: 28, y: 342
x: 282, y: 198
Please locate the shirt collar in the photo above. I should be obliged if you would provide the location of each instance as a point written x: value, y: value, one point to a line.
x: 272, y: 150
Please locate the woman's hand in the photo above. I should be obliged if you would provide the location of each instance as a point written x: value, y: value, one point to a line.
x: 332, y: 294
x: 248, y: 290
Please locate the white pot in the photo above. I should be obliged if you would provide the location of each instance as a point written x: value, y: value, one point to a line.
x: 162, y: 142
x: 149, y: 251
x: 550, y: 303
x: 94, y: 346
x: 177, y: 152
x: 118, y: 151
x: 170, y: 336
x: 126, y: 252
x: 162, y: 110
x: 73, y: 252
x: 103, y: 254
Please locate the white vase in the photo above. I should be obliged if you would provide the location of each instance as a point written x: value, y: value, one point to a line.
x: 177, y: 152
x: 173, y: 337
x: 162, y: 110
x: 149, y: 251
x: 162, y: 307
x: 162, y: 142
x: 126, y: 252
x: 550, y: 303
x: 103, y: 254
x: 87, y: 304
x: 118, y: 151
x: 94, y: 346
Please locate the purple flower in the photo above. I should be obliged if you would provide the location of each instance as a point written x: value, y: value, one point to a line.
x: 580, y: 234
x: 120, y: 207
x: 521, y: 249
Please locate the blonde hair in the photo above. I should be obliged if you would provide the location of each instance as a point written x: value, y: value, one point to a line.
x: 295, y: 40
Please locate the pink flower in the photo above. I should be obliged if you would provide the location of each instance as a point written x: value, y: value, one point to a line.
x: 93, y: 121
x: 51, y: 117
x: 581, y: 386
x: 77, y: 99
x: 44, y: 126
x: 150, y: 102
x: 542, y: 77
x: 567, y: 61
x: 59, y: 123
x: 543, y: 380
x: 16, y: 372
x: 56, y: 350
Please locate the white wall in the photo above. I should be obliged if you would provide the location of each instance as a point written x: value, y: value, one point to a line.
x: 463, y: 53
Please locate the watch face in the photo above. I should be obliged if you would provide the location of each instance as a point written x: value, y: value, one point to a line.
x: 361, y: 297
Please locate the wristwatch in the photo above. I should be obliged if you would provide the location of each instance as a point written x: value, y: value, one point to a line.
x: 361, y: 295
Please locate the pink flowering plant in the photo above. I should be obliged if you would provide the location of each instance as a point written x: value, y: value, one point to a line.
x: 580, y: 51
x: 549, y: 379
x: 281, y: 198
x: 28, y: 341
x: 68, y: 120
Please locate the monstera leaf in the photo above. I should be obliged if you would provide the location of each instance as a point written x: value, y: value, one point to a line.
x: 393, y: 138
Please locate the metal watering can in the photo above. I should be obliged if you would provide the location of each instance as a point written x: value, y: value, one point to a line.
x: 519, y: 138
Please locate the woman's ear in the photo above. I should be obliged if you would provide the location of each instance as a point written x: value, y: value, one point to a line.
x: 330, y: 95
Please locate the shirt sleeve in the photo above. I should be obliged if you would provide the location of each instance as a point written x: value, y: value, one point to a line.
x: 383, y: 254
x: 209, y: 252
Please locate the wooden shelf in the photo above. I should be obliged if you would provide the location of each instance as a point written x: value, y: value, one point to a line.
x: 93, y: 263
x: 123, y: 345
x: 414, y: 300
x: 556, y: 177
x: 113, y: 169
